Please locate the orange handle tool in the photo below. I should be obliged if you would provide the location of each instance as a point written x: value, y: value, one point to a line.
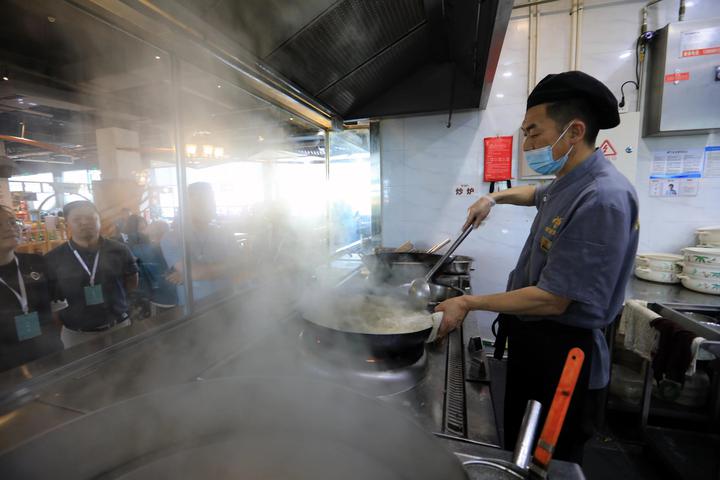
x: 558, y: 409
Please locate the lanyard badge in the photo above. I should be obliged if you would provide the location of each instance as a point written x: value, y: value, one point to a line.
x: 93, y: 293
x: 27, y: 325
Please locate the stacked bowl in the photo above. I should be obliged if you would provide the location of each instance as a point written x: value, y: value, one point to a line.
x: 658, y: 267
x: 701, y: 269
x: 708, y: 236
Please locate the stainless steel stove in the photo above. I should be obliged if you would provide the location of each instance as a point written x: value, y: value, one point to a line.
x: 430, y: 387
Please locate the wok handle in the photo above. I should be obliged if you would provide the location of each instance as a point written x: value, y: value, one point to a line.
x: 556, y: 414
x: 449, y: 252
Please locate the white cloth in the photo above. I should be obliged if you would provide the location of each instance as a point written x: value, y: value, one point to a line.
x: 640, y: 337
x: 697, y: 354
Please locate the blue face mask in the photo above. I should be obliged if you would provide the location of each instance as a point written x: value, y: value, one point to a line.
x: 541, y: 159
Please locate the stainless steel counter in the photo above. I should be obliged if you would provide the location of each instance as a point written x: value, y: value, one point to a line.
x: 665, y: 293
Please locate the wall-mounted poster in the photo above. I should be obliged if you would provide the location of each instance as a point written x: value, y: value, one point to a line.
x: 498, y: 159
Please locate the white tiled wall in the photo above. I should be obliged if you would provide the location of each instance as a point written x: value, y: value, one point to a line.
x: 423, y: 161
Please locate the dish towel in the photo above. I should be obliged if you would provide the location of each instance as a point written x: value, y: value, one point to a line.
x: 697, y: 354
x: 640, y: 337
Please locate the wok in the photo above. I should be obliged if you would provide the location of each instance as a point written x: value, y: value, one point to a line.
x: 397, y: 268
x: 351, y: 331
x: 253, y: 428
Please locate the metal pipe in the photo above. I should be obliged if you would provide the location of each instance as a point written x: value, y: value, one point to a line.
x: 533, y: 38
x: 578, y: 34
x: 180, y: 163
x: 573, y: 34
x: 533, y: 4
x: 328, y: 200
x: 528, y: 430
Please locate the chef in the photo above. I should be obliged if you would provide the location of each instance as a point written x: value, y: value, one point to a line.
x: 570, y: 279
x: 27, y: 331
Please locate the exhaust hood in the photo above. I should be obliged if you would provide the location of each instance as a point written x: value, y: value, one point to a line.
x: 365, y: 58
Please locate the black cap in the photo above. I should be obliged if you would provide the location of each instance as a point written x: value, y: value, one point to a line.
x: 557, y: 87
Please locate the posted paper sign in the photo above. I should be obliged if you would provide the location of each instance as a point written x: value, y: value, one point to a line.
x: 676, y: 173
x: 498, y: 159
x: 677, y: 164
x: 712, y: 161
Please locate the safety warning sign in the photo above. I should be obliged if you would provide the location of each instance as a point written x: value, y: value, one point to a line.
x: 677, y: 77
x: 701, y: 42
x: 607, y: 148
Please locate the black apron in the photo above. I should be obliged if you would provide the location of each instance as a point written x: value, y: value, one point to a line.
x: 537, y: 351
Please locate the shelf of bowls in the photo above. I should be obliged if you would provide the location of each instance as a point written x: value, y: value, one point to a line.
x: 698, y: 268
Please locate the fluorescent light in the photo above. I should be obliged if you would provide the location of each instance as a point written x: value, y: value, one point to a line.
x: 219, y: 86
x: 5, y: 77
x: 500, y: 95
x: 507, y: 74
x: 32, y: 104
x: 625, y: 54
x: 157, y: 57
x: 689, y: 4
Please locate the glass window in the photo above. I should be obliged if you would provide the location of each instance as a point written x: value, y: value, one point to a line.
x: 351, y: 177
x: 256, y: 184
x: 97, y: 102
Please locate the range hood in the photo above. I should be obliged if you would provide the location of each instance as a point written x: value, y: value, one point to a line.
x: 364, y: 58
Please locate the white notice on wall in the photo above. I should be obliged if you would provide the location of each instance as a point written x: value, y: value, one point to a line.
x: 677, y: 164
x: 697, y: 43
x: 681, y: 187
x: 712, y: 161
x: 676, y: 173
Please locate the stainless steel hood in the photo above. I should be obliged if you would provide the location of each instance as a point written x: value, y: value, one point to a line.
x: 363, y: 58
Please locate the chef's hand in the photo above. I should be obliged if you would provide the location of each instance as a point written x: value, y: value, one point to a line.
x: 174, y: 277
x: 478, y: 211
x: 454, y: 312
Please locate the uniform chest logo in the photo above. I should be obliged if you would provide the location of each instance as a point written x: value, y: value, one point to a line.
x: 552, y: 229
x: 35, y: 276
x: 545, y: 244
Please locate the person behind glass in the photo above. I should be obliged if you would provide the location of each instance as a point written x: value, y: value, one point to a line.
x: 133, y: 231
x: 27, y: 331
x: 93, y: 274
x: 213, y: 251
x: 144, y: 243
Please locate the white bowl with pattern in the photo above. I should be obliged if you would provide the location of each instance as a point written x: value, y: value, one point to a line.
x: 702, y: 256
x: 656, y: 275
x: 701, y: 272
x: 659, y: 262
x: 708, y: 235
x: 701, y: 285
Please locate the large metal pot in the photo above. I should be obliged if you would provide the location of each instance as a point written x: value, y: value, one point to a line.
x: 288, y: 428
x: 398, y: 268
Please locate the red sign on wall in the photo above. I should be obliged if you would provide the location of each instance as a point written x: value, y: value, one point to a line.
x: 498, y: 159
x: 677, y: 77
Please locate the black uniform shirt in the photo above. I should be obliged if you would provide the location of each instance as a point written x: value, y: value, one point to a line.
x: 68, y: 280
x: 14, y: 352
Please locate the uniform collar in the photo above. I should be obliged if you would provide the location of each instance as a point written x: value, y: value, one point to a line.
x: 586, y: 167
